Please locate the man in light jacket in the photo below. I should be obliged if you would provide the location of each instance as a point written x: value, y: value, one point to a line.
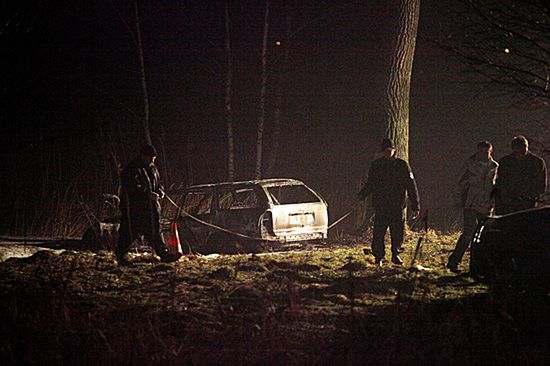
x: 473, y: 194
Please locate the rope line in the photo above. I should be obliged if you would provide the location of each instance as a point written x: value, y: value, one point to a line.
x: 236, y: 233
x: 343, y: 217
x: 340, y: 219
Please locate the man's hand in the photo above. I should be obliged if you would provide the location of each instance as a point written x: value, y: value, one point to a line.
x: 154, y: 196
x: 416, y: 213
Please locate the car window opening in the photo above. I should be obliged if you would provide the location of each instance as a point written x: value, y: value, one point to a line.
x: 197, y: 203
x: 291, y: 194
x: 237, y: 199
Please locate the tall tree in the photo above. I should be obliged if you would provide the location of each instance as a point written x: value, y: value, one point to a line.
x: 227, y: 101
x: 399, y: 85
x: 261, y: 120
x: 146, y: 128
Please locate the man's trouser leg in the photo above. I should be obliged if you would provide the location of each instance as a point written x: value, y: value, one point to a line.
x: 471, y: 218
x: 157, y: 241
x: 381, y: 223
x: 153, y: 235
x: 126, y: 235
x: 397, y: 230
x: 155, y: 238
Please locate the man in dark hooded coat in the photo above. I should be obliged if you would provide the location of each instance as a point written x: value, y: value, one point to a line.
x: 141, y: 192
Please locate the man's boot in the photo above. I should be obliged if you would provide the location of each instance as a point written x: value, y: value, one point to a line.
x: 167, y: 257
x: 123, y: 259
x: 453, y: 267
x: 396, y: 260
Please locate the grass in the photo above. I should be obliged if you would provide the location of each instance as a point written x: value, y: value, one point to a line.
x: 323, y: 306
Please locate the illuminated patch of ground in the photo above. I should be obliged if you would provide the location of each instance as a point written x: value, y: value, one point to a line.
x: 328, y: 305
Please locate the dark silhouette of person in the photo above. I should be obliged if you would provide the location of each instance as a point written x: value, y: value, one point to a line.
x: 390, y: 180
x: 521, y: 179
x: 473, y: 193
x: 141, y: 192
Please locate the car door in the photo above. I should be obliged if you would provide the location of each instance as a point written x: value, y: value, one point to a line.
x: 238, y: 209
x: 197, y: 203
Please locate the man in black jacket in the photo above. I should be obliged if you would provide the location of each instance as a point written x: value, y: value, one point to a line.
x: 140, y: 207
x: 521, y: 179
x: 390, y: 180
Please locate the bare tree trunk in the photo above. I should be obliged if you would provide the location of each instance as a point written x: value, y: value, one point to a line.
x: 228, y: 110
x: 121, y: 142
x: 188, y: 156
x: 259, y: 140
x: 278, y: 102
x: 146, y: 128
x: 399, y: 86
x: 167, y: 176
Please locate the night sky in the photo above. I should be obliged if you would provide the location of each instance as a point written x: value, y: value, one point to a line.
x: 71, y: 83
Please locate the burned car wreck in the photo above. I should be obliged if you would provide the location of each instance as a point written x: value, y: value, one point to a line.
x: 514, y: 250
x: 251, y: 212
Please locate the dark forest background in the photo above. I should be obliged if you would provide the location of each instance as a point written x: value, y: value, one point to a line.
x: 72, y: 102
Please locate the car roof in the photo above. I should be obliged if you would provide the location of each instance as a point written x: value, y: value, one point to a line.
x: 530, y: 211
x: 272, y: 182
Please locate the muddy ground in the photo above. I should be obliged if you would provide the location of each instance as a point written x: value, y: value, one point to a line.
x: 316, y: 306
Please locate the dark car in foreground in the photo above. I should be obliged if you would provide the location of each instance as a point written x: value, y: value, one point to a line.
x: 514, y: 250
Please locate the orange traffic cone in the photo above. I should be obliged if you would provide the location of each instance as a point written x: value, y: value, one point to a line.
x: 174, y: 245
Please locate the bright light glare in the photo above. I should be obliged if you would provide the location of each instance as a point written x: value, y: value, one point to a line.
x: 506, y: 50
x: 277, y: 43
